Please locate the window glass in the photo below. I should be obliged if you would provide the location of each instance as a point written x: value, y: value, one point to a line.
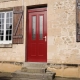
x: 7, y: 15
x: 2, y: 21
x: 1, y: 35
x: 10, y: 14
x: 41, y: 27
x: 3, y: 15
x: 0, y: 15
x: 6, y: 22
x: 9, y: 26
x: 10, y: 20
x: 2, y: 26
x: 34, y: 27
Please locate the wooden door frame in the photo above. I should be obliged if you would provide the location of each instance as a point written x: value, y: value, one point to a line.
x: 27, y: 21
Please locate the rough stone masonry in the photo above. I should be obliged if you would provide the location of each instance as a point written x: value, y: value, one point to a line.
x: 62, y: 47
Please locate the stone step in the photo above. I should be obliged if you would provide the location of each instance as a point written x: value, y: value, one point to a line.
x: 5, y: 74
x: 5, y: 78
x: 20, y: 75
x: 50, y: 72
x: 19, y: 79
x: 41, y: 76
x: 34, y: 70
x: 35, y: 64
x: 24, y: 69
x: 27, y: 79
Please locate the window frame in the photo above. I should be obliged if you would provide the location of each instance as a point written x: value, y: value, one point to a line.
x: 4, y: 36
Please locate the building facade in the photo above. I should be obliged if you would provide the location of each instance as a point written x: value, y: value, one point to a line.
x: 41, y: 31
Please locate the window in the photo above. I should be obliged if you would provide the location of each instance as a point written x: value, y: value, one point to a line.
x: 11, y: 26
x: 6, y: 25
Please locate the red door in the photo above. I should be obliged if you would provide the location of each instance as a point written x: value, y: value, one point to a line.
x: 37, y: 35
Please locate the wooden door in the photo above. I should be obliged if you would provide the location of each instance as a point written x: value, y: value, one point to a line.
x: 37, y: 35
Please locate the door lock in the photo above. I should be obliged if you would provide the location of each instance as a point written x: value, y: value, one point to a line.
x: 45, y: 38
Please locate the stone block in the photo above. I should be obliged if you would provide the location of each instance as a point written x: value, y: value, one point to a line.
x: 20, y: 75
x: 35, y: 64
x: 19, y: 79
x: 23, y: 69
x: 70, y: 72
x: 5, y: 74
x: 45, y: 76
x: 36, y: 70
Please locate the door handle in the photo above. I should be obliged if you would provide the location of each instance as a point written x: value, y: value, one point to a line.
x: 45, y: 38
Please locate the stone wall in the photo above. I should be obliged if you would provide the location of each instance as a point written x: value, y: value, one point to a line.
x: 65, y: 70
x: 62, y: 45
x: 17, y: 51
x: 61, y: 29
x: 61, y: 39
x: 10, y: 66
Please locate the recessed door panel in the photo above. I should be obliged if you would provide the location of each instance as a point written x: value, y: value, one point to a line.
x: 37, y: 35
x: 33, y: 50
x: 41, y: 50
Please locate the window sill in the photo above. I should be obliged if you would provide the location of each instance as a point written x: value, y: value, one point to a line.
x: 5, y: 45
x: 7, y: 0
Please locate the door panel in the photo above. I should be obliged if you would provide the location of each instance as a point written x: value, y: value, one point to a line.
x: 37, y: 36
x: 41, y: 50
x: 33, y: 50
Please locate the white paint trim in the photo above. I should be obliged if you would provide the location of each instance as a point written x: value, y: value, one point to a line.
x: 6, y: 42
x: 4, y: 39
x: 4, y: 27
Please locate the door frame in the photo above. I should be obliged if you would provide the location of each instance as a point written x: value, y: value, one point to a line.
x: 44, y: 8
